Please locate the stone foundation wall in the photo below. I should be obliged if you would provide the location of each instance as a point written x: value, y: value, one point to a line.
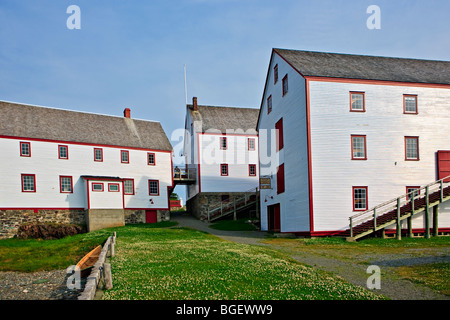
x: 10, y: 220
x: 199, y: 205
x: 138, y: 216
x: 105, y: 218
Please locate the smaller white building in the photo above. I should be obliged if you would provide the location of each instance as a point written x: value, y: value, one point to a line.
x: 68, y: 166
x: 221, y: 150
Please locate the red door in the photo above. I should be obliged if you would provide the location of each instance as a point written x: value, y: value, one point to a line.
x: 150, y: 216
x: 444, y: 165
x: 273, y: 217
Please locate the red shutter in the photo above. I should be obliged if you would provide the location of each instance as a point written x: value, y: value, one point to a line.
x: 280, y: 179
x: 279, y: 134
x: 444, y: 164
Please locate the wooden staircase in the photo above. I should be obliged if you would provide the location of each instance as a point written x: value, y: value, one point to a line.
x: 249, y: 202
x: 398, y: 209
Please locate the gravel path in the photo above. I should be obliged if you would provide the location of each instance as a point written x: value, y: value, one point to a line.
x: 44, y: 285
x: 352, y: 270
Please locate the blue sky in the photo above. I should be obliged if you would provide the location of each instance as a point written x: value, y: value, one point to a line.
x: 132, y: 53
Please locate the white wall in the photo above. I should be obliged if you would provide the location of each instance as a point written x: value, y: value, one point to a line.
x: 238, y: 158
x: 44, y: 163
x: 294, y: 202
x: 385, y: 172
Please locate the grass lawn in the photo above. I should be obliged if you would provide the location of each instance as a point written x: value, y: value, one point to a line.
x: 231, y: 225
x: 29, y: 255
x: 181, y: 263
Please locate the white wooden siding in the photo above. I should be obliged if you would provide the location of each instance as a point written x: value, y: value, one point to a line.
x: 294, y: 202
x: 44, y: 163
x: 238, y: 158
x: 385, y: 172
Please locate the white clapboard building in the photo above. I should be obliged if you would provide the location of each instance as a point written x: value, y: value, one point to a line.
x: 221, y: 153
x: 340, y: 134
x: 68, y: 166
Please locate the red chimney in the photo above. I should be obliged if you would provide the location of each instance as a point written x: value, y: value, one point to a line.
x: 127, y: 113
x: 194, y: 104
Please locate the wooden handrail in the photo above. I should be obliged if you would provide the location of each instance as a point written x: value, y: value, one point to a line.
x: 394, y: 203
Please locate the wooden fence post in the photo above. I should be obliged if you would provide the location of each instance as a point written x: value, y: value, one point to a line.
x: 435, y: 220
x: 108, y: 276
x: 234, y: 207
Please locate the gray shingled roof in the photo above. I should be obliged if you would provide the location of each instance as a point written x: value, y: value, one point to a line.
x: 351, y: 66
x: 28, y: 121
x: 224, y: 119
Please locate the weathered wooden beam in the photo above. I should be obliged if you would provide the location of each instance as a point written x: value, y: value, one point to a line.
x: 398, y: 224
x: 435, y: 220
x: 427, y: 213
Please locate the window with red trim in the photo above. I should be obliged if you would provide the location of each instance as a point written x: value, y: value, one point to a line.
x: 410, y: 104
x: 285, y: 85
x: 151, y: 161
x: 124, y: 156
x: 357, y: 102
x: 410, y: 191
x: 128, y: 186
x: 63, y: 152
x: 113, y: 187
x: 251, y: 144
x: 28, y: 182
x: 412, y: 148
x: 252, y: 170
x: 269, y: 104
x: 275, y: 74
x: 360, y: 199
x: 223, y: 143
x: 65, y: 184
x: 98, y: 154
x: 25, y: 149
x: 224, y: 169
x: 97, y: 186
x: 279, y: 135
x: 359, y: 150
x: 153, y: 187
x: 280, y: 179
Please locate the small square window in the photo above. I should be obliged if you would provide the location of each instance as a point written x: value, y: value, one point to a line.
x: 124, y: 156
x: 63, y: 152
x: 357, y: 103
x: 410, y: 104
x: 25, y: 149
x: 224, y: 169
x: 98, y: 154
x: 65, y: 184
x: 412, y: 191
